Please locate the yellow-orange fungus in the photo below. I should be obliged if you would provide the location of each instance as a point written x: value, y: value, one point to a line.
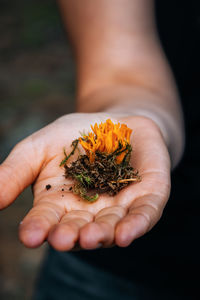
x: 106, y: 137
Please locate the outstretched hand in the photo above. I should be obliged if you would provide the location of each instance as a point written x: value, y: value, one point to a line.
x: 64, y: 219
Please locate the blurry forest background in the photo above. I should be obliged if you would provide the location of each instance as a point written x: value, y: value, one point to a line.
x: 36, y: 87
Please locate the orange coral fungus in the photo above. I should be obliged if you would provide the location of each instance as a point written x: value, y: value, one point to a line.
x: 105, y: 167
x: 106, y: 137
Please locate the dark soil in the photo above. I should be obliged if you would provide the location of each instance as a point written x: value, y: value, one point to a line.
x: 48, y: 186
x: 104, y: 175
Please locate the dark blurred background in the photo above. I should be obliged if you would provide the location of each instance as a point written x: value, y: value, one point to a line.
x: 37, y: 85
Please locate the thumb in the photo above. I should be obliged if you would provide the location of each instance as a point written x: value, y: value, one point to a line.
x: 19, y: 170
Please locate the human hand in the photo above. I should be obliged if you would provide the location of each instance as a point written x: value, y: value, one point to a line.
x: 63, y: 218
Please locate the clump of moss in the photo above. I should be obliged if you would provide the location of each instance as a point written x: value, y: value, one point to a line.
x: 105, y: 168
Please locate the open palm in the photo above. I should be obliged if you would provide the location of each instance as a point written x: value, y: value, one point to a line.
x: 63, y: 218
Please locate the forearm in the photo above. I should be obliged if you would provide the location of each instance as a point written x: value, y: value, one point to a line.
x: 120, y: 64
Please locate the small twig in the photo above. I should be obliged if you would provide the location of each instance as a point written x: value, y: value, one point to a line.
x: 126, y: 180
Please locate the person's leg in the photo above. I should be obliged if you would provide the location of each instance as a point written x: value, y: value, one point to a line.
x: 63, y: 276
x: 66, y: 276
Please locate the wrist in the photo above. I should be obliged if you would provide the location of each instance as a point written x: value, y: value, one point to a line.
x: 171, y: 130
x: 129, y: 100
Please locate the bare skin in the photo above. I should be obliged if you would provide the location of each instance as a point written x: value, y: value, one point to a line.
x: 122, y: 74
x: 64, y: 220
x: 121, y: 66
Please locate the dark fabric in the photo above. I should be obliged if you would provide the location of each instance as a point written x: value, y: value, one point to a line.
x: 65, y: 276
x: 164, y: 264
